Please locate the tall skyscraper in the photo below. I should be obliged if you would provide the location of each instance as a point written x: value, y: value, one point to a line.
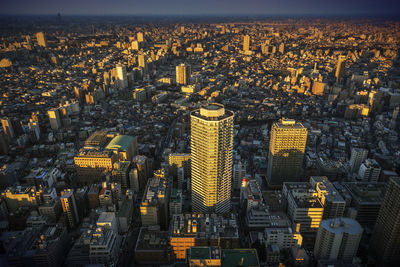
x: 358, y: 155
x: 338, y: 239
x: 41, y: 39
x: 385, y: 242
x: 8, y: 127
x: 246, y: 43
x: 183, y: 73
x: 286, y: 152
x: 142, y: 61
x: 211, y: 145
x: 121, y: 75
x: 140, y: 37
x: 340, y: 67
x: 69, y: 207
x: 55, y: 119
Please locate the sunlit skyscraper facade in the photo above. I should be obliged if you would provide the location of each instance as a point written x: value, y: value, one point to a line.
x: 286, y: 152
x: 211, y: 154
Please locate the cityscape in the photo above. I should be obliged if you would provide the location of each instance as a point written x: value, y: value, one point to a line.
x: 214, y: 134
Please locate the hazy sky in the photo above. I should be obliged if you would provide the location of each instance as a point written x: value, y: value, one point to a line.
x: 201, y: 7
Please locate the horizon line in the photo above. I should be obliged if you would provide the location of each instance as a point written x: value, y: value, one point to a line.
x: 362, y: 14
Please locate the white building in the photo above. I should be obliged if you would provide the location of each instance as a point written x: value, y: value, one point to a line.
x: 369, y: 171
x: 338, y: 239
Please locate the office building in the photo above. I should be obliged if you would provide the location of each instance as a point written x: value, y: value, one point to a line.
x: 369, y: 171
x: 39, y: 246
x: 358, y: 155
x: 124, y: 146
x: 97, y: 246
x: 189, y: 230
x: 154, y: 206
x: 286, y: 152
x: 41, y: 39
x: 142, y: 61
x: 340, y: 68
x: 4, y: 146
x: 121, y: 76
x: 365, y: 199
x: 183, y: 74
x: 175, y: 202
x: 239, y: 172
x: 140, y: 37
x: 180, y: 160
x: 304, y: 206
x: 70, y: 208
x: 246, y: 43
x: 152, y: 247
x: 211, y: 158
x: 55, y: 119
x: 250, y: 194
x: 318, y: 88
x: 22, y: 196
x: 284, y: 238
x: 333, y: 202
x: 8, y: 127
x: 338, y: 239
x: 385, y: 242
x: 91, y: 165
x: 281, y: 48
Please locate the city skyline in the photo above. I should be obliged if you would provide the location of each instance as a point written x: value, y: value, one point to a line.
x: 206, y: 7
x: 201, y: 138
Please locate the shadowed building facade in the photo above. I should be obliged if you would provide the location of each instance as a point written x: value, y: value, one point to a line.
x: 286, y: 152
x: 211, y: 158
x: 386, y: 239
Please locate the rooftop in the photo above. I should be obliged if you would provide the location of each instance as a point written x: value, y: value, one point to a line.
x: 212, y: 112
x: 121, y: 142
x: 204, y: 226
x: 239, y: 257
x: 366, y: 192
x: 342, y: 225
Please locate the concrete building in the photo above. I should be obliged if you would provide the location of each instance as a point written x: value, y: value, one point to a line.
x: 125, y: 146
x: 70, y: 208
x: 250, y: 194
x: 284, y: 238
x: 369, y: 171
x: 304, y: 206
x: 8, y: 127
x: 211, y: 158
x: 358, y: 155
x: 338, y: 239
x: 183, y: 74
x: 189, y: 230
x: 154, y: 206
x: 239, y: 172
x: 175, y: 202
x: 21, y: 196
x: 41, y: 39
x: 152, y: 246
x: 121, y: 76
x: 366, y: 199
x: 286, y: 152
x: 246, y: 43
x: 333, y: 202
x: 385, y: 242
x: 91, y: 165
x: 55, y: 119
x: 340, y: 68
